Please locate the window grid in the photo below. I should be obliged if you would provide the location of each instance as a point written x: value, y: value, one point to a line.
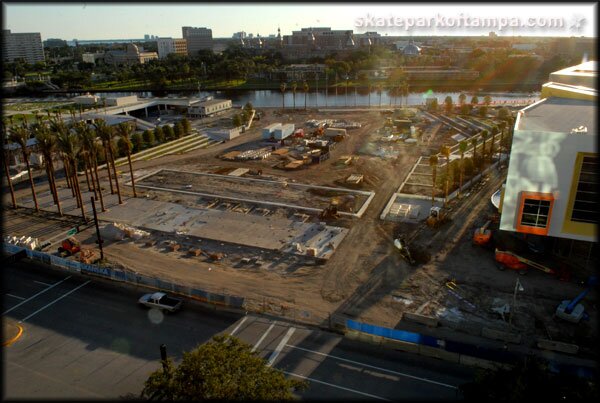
x: 585, y: 207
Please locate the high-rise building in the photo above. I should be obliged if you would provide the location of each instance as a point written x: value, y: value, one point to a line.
x: 166, y: 46
x: 23, y: 46
x: 197, y: 39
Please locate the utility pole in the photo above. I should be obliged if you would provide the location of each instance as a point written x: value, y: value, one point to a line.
x: 99, y: 240
x: 163, y: 356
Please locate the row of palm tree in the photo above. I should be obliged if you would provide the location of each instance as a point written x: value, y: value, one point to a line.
x: 75, y: 143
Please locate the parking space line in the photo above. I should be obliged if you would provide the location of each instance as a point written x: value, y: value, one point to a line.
x: 337, y: 386
x: 263, y: 337
x: 41, y: 282
x: 238, y: 326
x: 14, y: 296
x: 53, y: 302
x: 374, y: 367
x: 39, y: 293
x: 280, y: 346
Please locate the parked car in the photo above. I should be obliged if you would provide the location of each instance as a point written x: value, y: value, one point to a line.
x: 16, y: 175
x: 161, y: 301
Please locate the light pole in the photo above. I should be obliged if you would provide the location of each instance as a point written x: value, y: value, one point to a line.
x: 518, y: 287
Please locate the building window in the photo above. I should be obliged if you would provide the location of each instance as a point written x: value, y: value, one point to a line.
x: 585, y: 207
x: 534, y: 214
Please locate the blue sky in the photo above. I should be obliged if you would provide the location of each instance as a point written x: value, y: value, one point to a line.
x: 133, y: 20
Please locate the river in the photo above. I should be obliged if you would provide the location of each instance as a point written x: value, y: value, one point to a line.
x: 270, y: 98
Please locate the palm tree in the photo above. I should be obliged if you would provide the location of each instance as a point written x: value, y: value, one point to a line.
x: 20, y: 135
x: 379, y: 91
x: 487, y: 100
x: 448, y: 103
x: 105, y: 136
x: 89, y: 142
x: 433, y: 161
x: 124, y: 130
x: 474, y: 144
x: 12, y: 191
x: 46, y: 143
x: 68, y: 144
x: 484, y: 135
x: 294, y: 88
x: 462, y: 147
x: 107, y: 133
x: 495, y: 131
x: 282, y: 88
x: 462, y: 98
x: 445, y: 151
x: 502, y: 128
x: 405, y: 92
x: 370, y: 88
x: 57, y: 126
x: 474, y: 100
x: 305, y: 87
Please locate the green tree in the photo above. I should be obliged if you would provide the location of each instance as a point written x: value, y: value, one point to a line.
x: 529, y: 380
x: 236, y: 120
x: 224, y: 368
x: 445, y: 151
x: 125, y: 130
x: 448, y: 104
x: 294, y: 88
x: 20, y: 135
x: 462, y: 147
x: 474, y: 100
x: 282, y: 87
x: 487, y: 100
x: 462, y: 99
x: 473, y: 141
x: 149, y: 137
x: 305, y: 89
x: 484, y: 136
x: 178, y: 130
x: 159, y: 134
x: 464, y: 109
x: 483, y: 110
x: 187, y: 127
x: 503, y: 113
x: 248, y: 107
x: 433, y: 106
x: 138, y: 141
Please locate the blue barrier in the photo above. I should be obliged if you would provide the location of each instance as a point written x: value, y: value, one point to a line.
x: 236, y: 302
x: 395, y: 334
x: 200, y: 293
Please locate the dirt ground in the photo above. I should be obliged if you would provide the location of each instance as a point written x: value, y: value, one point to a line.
x: 365, y: 278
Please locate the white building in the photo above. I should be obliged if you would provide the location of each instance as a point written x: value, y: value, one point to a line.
x: 551, y: 187
x: 25, y: 46
x: 167, y: 46
x: 208, y: 108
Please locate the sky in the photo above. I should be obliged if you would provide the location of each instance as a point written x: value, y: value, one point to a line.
x: 86, y: 21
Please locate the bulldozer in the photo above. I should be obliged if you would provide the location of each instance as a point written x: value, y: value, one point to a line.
x: 69, y: 247
x: 437, y: 216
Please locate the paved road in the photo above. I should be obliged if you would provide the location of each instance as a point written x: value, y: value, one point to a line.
x: 87, y: 339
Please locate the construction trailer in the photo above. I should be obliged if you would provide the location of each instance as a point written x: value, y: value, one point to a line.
x: 334, y: 132
x: 283, y: 131
x: 267, y: 132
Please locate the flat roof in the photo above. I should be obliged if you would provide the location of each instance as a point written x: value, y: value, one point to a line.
x: 212, y: 102
x: 561, y: 115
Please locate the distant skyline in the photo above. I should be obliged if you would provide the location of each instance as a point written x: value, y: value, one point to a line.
x: 87, y: 21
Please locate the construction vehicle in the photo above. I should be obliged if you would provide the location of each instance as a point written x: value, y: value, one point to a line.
x: 437, y: 216
x: 513, y: 261
x: 69, y: 247
x: 483, y: 235
x: 401, y: 245
x: 330, y: 211
x: 573, y: 311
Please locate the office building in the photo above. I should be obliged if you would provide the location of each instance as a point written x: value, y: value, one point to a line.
x: 22, y: 46
x: 131, y: 55
x: 167, y: 46
x: 197, y: 39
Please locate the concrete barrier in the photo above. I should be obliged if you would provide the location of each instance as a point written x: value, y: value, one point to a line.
x: 557, y: 346
x: 439, y: 353
x: 422, y: 319
x: 369, y: 338
x: 352, y: 334
x: 500, y: 335
x: 481, y: 363
x: 400, y: 345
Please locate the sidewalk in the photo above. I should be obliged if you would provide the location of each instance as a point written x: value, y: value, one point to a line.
x: 11, y: 331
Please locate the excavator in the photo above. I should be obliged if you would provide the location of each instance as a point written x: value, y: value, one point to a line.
x: 483, y: 235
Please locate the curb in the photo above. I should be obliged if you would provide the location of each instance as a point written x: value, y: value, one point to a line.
x: 13, y: 328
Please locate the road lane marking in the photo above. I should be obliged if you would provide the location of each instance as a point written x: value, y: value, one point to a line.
x: 41, y: 292
x: 15, y: 296
x: 53, y: 302
x: 238, y: 326
x: 41, y: 282
x: 263, y: 337
x: 337, y: 386
x: 374, y: 367
x: 280, y: 346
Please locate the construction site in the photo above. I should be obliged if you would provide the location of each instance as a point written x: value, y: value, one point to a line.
x: 338, y: 222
